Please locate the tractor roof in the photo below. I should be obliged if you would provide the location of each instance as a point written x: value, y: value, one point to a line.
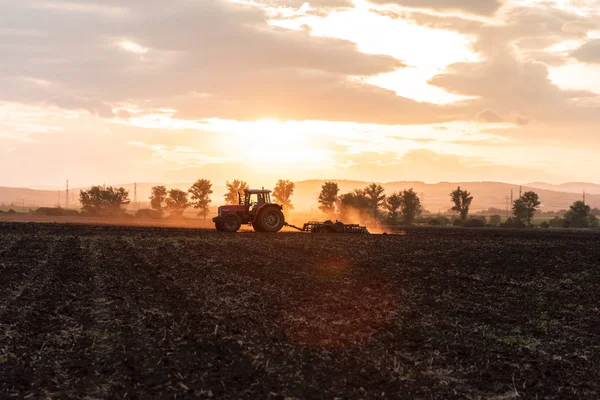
x: 252, y: 191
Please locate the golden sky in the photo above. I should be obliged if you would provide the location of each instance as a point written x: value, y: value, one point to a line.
x: 380, y: 90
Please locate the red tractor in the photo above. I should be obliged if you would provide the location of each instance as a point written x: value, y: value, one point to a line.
x: 256, y: 209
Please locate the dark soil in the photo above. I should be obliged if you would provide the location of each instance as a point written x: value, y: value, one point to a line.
x: 108, y: 312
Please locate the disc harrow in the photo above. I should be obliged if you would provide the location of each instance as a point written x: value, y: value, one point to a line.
x: 331, y: 227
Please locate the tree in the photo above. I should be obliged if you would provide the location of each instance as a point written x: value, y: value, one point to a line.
x: 233, y: 190
x: 375, y: 195
x: 411, y: 206
x: 282, y: 193
x: 328, y: 197
x: 356, y: 199
x: 177, y: 202
x: 103, y: 201
x: 525, y: 206
x: 200, y: 195
x: 462, y: 202
x: 495, y: 220
x: 579, y: 215
x: 393, y: 204
x: 158, y: 199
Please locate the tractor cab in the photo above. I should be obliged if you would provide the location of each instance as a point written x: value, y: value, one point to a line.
x: 255, y: 198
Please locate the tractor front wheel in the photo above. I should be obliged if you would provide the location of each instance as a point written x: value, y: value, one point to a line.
x: 271, y: 219
x: 256, y: 226
x: 231, y: 223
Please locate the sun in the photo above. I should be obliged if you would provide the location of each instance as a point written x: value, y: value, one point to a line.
x: 269, y: 141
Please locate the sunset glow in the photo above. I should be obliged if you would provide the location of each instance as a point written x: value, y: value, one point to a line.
x: 375, y: 90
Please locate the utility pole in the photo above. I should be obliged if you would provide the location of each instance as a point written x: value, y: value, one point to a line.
x: 507, y: 208
x: 67, y: 195
x: 584, y: 197
x: 135, y: 195
x: 520, y: 190
x: 58, y: 198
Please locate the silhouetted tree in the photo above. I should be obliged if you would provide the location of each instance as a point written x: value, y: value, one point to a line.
x: 411, y: 206
x: 462, y: 202
x: 524, y: 207
x: 200, y: 196
x: 103, y: 201
x: 328, y: 197
x: 579, y: 215
x: 495, y: 220
x: 356, y: 201
x: 177, y: 202
x: 233, y: 190
x: 375, y: 195
x: 283, y: 192
x: 393, y: 204
x: 158, y: 199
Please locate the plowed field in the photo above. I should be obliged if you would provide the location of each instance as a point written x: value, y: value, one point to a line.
x: 108, y: 312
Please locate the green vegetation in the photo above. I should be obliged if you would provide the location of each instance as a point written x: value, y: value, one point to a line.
x: 177, y: 202
x: 103, y: 201
x: 233, y: 191
x: 462, y: 202
x: 283, y: 192
x: 328, y: 197
x: 158, y: 199
x: 200, y: 196
x: 524, y: 208
x: 392, y: 205
x: 411, y: 206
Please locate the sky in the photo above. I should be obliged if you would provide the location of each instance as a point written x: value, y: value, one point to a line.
x: 382, y: 90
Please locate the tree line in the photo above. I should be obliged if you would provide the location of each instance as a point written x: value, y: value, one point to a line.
x: 402, y: 207
x: 108, y: 201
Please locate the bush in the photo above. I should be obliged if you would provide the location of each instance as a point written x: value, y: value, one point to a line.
x: 458, y: 222
x: 55, y: 212
x: 11, y: 211
x: 438, y: 221
x: 495, y: 220
x: 545, y: 225
x: 557, y: 222
x: 474, y: 223
x: 148, y: 213
x: 513, y: 223
x: 443, y: 220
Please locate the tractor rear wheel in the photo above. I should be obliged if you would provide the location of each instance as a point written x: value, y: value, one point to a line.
x: 231, y: 223
x: 271, y: 219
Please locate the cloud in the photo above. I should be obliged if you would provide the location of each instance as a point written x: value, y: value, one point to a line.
x: 588, y: 52
x: 522, y: 121
x: 239, y: 61
x: 430, y: 166
x: 94, y: 106
x: 324, y: 4
x: 484, y: 7
x: 489, y: 115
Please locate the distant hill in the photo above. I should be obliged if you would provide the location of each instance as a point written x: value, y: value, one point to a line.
x: 435, y: 196
x: 569, y: 187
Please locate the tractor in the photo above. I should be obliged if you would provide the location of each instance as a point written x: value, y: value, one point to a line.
x: 256, y: 209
